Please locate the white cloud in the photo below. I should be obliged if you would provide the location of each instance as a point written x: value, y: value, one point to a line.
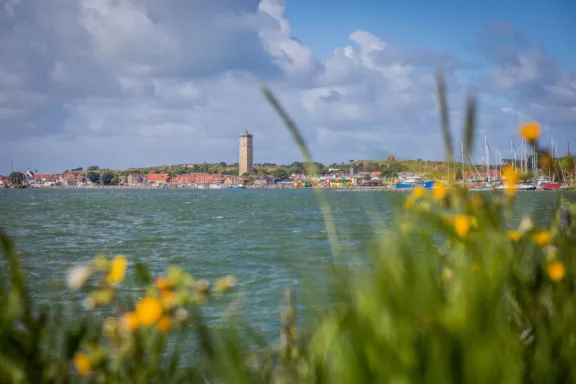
x: 133, y: 83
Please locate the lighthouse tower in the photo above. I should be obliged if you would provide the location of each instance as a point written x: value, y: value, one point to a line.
x: 246, y: 153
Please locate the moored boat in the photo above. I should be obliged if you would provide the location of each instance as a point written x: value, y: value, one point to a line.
x: 550, y: 186
x: 414, y: 181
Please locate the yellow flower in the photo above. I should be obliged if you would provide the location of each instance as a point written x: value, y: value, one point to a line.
x: 103, y: 297
x: 149, y: 311
x: 514, y: 235
x: 164, y: 324
x: 225, y: 284
x: 530, y: 131
x: 542, y: 238
x: 117, y: 270
x: 409, y: 203
x: 556, y: 270
x: 511, y: 177
x: 130, y: 320
x: 161, y: 283
x: 461, y: 225
x: 82, y: 363
x: 418, y: 192
x: 440, y: 191
x: 167, y: 298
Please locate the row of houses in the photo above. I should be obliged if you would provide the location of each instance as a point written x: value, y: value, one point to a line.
x: 191, y: 179
x: 47, y: 179
x: 204, y: 179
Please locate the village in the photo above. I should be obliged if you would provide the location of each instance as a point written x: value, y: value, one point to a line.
x: 197, y: 181
x: 366, y: 174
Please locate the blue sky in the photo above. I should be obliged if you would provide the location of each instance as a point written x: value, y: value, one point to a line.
x: 134, y: 83
x: 444, y: 25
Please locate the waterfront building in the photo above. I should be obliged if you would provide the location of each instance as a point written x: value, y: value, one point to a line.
x: 157, y: 178
x: 246, y: 164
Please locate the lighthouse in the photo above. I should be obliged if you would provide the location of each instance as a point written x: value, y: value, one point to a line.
x: 246, y: 153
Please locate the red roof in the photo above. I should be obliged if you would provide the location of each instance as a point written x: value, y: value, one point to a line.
x: 157, y: 177
x: 46, y: 176
x: 199, y: 178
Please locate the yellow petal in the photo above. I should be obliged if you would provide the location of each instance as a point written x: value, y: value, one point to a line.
x: 82, y: 363
x: 556, y: 270
x: 149, y: 311
x: 418, y: 192
x: 461, y: 225
x: 439, y: 191
x: 117, y: 270
x: 530, y: 131
x: 542, y: 238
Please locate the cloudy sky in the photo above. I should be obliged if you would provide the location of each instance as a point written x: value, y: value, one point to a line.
x: 120, y: 83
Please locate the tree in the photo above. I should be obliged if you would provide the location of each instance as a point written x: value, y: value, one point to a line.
x: 93, y: 168
x: 115, y: 180
x: 280, y: 174
x: 222, y: 164
x: 107, y: 178
x: 93, y: 177
x: 245, y: 174
x: 76, y: 169
x: 16, y: 178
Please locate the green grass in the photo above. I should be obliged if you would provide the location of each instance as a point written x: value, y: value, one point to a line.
x: 449, y: 297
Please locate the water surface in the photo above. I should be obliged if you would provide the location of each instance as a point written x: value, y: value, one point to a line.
x: 269, y: 239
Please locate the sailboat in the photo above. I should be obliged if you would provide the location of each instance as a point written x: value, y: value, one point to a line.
x: 414, y: 181
x: 484, y: 186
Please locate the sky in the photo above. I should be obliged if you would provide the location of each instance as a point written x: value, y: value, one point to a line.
x: 136, y: 83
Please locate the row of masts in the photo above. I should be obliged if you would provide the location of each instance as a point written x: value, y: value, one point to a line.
x: 525, y: 159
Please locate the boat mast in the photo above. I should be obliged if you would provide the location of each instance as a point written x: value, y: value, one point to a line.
x: 487, y: 162
x: 462, y: 157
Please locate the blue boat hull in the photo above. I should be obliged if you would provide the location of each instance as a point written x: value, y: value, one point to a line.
x: 425, y: 185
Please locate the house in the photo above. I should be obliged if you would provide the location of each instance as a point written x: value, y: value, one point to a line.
x: 390, y: 158
x: 201, y: 178
x: 47, y: 178
x: 29, y: 175
x: 263, y: 181
x: 135, y: 179
x: 188, y: 179
x: 69, y: 178
x: 157, y: 178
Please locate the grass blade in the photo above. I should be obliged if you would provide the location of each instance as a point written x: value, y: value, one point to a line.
x: 311, y: 169
x: 445, y: 121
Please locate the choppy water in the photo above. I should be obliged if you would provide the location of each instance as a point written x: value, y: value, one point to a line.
x: 269, y: 239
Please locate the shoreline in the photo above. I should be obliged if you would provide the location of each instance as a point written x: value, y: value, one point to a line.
x: 337, y: 189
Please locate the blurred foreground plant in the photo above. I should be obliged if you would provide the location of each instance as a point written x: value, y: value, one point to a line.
x: 451, y: 295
